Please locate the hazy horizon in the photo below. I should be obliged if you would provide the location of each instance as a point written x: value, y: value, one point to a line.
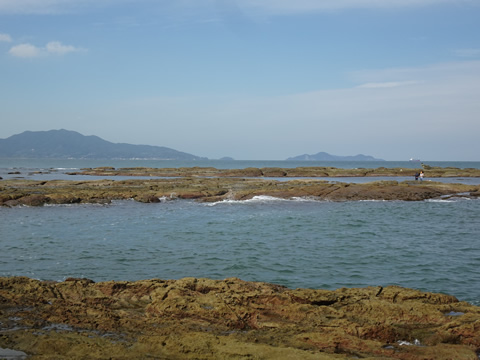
x: 279, y: 160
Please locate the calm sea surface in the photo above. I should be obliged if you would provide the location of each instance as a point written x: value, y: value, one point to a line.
x: 428, y: 245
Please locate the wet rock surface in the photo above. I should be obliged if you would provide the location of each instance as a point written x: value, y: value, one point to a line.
x: 16, y: 192
x: 231, y: 319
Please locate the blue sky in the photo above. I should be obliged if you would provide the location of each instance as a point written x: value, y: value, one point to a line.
x: 251, y: 79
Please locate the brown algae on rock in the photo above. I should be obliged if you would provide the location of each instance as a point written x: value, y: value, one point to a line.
x: 195, y: 318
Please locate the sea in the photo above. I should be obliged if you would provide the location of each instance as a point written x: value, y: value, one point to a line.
x: 431, y: 245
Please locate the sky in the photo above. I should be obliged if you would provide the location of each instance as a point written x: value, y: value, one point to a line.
x: 248, y: 79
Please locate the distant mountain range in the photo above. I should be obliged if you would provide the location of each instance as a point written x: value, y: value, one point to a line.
x: 323, y: 156
x: 73, y: 145
x: 65, y: 144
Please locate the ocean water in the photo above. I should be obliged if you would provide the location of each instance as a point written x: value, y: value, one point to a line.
x: 74, y: 164
x: 429, y: 245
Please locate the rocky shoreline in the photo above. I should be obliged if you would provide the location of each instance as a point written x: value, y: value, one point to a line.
x: 231, y: 319
x: 228, y: 319
x: 196, y: 183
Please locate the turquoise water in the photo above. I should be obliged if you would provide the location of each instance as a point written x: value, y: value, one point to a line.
x: 428, y: 245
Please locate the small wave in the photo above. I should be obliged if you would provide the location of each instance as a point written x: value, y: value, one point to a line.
x: 262, y: 199
x: 375, y: 200
x: 449, y: 200
x: 307, y: 199
x: 60, y: 205
x: 76, y: 205
x: 465, y: 196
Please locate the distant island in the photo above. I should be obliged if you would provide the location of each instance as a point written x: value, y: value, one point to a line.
x: 65, y: 144
x: 323, y: 156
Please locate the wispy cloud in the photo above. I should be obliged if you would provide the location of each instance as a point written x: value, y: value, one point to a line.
x: 400, y: 108
x: 388, y: 84
x: 49, y: 6
x: 52, y: 48
x: 5, y: 38
x: 30, y: 6
x: 56, y: 47
x: 428, y: 73
x: 268, y: 7
x: 25, y: 51
x: 304, y: 6
x: 467, y: 53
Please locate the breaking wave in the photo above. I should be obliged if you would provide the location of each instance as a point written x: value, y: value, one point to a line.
x: 264, y: 199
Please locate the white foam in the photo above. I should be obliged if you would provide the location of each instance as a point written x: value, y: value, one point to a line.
x: 449, y: 200
x: 416, y: 342
x: 262, y: 199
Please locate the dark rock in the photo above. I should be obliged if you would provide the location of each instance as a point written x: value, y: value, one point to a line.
x: 148, y: 199
x: 33, y: 200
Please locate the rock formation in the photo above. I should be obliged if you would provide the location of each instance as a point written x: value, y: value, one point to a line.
x: 305, y: 171
x: 36, y: 193
x: 231, y: 319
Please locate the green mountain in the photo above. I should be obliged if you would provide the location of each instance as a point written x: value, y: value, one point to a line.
x: 323, y: 156
x: 73, y: 145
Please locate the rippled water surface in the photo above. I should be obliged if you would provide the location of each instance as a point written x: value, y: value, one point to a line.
x: 431, y: 245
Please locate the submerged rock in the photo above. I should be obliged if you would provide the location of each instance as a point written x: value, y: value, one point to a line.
x: 230, y: 319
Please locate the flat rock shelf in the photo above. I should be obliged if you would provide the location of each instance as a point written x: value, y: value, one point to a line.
x: 195, y: 318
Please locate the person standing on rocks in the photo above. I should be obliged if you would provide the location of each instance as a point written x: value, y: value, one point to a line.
x: 422, y: 174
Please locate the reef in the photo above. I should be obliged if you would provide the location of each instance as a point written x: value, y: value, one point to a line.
x: 195, y: 318
x: 306, y: 171
x: 16, y: 192
x: 211, y: 184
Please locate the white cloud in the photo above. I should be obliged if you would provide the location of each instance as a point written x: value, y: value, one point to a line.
x: 25, y: 51
x: 52, y: 48
x: 56, y: 47
x: 5, y: 38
